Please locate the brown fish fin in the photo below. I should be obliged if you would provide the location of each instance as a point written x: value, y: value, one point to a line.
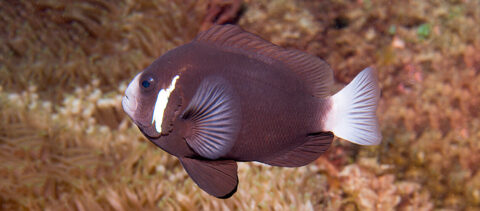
x: 231, y: 38
x: 304, y: 154
x: 216, y: 177
x: 312, y: 69
x: 213, y: 114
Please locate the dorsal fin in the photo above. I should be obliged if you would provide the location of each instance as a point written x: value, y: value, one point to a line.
x: 311, y: 69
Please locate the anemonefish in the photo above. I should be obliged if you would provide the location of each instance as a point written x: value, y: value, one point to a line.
x: 231, y: 96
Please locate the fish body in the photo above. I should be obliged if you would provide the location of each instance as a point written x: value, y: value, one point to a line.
x: 231, y: 96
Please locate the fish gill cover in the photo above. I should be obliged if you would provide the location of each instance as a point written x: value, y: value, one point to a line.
x: 66, y: 144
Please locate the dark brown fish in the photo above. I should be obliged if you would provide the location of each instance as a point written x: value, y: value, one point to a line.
x: 231, y: 96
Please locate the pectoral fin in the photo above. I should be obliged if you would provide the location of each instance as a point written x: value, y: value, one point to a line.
x: 216, y: 177
x: 214, y: 116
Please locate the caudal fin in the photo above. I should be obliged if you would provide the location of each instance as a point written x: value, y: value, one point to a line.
x: 353, y: 110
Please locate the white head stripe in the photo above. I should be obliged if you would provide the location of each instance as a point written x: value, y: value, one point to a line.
x: 161, y: 104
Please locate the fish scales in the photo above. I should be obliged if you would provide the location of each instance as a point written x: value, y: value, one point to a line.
x: 283, y: 113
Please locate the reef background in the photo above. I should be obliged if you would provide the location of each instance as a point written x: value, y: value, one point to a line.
x: 65, y: 143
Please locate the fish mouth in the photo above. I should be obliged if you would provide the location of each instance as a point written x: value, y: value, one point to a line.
x: 129, y: 101
x: 129, y: 105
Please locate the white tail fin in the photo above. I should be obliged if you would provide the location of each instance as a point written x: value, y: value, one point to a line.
x: 353, y: 113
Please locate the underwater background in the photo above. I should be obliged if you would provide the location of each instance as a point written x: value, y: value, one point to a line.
x: 66, y: 144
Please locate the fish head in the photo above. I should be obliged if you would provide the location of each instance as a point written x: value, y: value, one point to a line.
x: 153, y: 98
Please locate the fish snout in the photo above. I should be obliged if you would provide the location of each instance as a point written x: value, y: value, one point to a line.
x: 129, y: 101
x: 129, y: 105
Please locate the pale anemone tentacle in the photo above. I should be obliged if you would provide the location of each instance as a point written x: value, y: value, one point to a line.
x: 161, y: 104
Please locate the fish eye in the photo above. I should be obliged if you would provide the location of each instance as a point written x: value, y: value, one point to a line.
x: 147, y: 83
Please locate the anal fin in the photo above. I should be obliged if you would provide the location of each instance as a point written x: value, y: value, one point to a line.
x: 216, y: 177
x: 304, y: 154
